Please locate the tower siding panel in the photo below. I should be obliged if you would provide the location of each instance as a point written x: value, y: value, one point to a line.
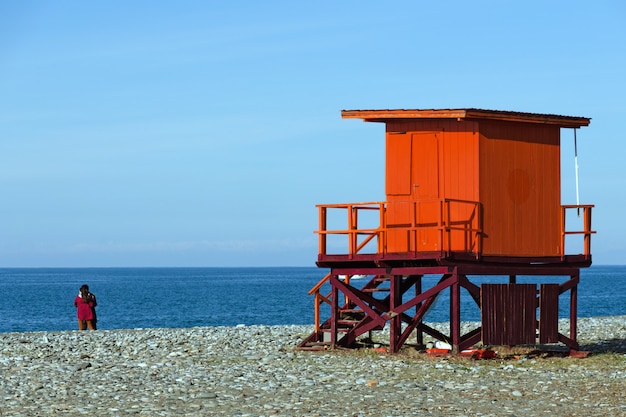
x: 398, y: 164
x: 512, y: 169
x: 520, y: 189
x: 398, y: 189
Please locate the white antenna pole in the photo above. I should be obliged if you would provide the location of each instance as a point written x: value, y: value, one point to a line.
x: 576, y: 166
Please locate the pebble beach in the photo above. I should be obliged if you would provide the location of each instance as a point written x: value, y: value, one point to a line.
x: 256, y: 371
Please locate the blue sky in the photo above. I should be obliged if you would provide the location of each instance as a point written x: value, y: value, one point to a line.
x: 198, y: 133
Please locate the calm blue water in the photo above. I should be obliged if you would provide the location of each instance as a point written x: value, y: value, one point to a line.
x: 41, y: 299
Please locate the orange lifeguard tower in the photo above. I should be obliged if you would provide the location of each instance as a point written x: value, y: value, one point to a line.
x: 468, y: 192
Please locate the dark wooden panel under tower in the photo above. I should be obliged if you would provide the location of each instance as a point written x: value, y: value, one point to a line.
x: 508, y: 313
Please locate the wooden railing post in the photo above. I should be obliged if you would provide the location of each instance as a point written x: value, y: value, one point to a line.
x: 587, y: 224
x: 479, y: 227
x: 351, y: 230
x: 322, y: 231
x: 586, y: 228
x: 382, y: 229
x: 316, y: 309
x: 563, y: 214
x: 447, y: 225
x: 413, y: 230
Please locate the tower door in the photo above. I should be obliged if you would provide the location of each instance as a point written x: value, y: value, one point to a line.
x: 412, y: 191
x: 425, y: 189
x: 425, y: 166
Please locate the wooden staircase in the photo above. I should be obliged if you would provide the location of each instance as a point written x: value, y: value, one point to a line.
x: 352, y: 321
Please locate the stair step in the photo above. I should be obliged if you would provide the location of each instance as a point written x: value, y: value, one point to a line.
x: 349, y: 322
x: 355, y: 315
x: 352, y: 318
x: 350, y: 310
x: 339, y: 330
x: 375, y: 290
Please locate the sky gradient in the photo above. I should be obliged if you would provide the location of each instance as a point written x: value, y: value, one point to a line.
x: 203, y: 133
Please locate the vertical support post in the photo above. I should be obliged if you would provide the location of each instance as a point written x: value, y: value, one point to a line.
x: 563, y: 213
x: 395, y: 323
x: 418, y: 291
x: 355, y: 227
x: 512, y: 279
x: 334, y: 314
x: 446, y: 228
x: 455, y: 312
x: 573, y: 306
x: 441, y: 226
x: 321, y: 242
x: 316, y: 309
x: 587, y: 230
x: 412, y: 233
x: 382, y: 234
x: 415, y: 226
x: 478, y: 231
x: 351, y: 232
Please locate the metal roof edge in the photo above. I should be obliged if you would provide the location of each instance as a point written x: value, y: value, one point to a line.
x: 465, y: 113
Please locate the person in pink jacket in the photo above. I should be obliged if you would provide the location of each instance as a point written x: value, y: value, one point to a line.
x: 85, y: 303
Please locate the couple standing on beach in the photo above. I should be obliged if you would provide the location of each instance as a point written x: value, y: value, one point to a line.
x: 85, y: 303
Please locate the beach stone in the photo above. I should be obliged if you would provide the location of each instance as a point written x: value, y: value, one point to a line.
x: 255, y: 370
x: 81, y: 366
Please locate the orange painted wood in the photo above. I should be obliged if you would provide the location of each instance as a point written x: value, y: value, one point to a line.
x: 443, y: 159
x: 469, y: 180
x: 413, y: 193
x: 398, y: 165
x: 398, y: 189
x: 520, y: 189
x: 511, y: 168
x: 425, y: 179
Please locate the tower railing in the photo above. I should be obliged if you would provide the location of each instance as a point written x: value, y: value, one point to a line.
x: 353, y: 230
x: 361, y: 238
x: 456, y: 223
x: 586, y: 231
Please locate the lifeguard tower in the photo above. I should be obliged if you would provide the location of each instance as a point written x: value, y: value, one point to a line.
x: 469, y: 192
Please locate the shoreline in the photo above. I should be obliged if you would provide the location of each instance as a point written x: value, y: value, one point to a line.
x: 255, y: 371
x: 587, y: 329
x: 562, y: 322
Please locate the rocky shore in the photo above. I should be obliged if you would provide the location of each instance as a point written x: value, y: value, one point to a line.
x: 255, y: 371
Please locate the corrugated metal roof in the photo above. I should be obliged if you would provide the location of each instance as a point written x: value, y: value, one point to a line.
x: 465, y: 113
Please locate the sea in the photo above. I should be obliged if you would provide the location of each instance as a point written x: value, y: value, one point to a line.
x: 41, y: 299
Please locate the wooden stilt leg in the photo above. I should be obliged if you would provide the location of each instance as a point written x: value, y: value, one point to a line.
x: 395, y: 324
x: 455, y: 313
x: 418, y: 291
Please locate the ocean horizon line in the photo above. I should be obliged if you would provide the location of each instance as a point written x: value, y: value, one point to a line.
x: 209, y: 267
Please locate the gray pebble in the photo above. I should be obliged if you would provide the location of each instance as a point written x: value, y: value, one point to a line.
x: 255, y: 370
